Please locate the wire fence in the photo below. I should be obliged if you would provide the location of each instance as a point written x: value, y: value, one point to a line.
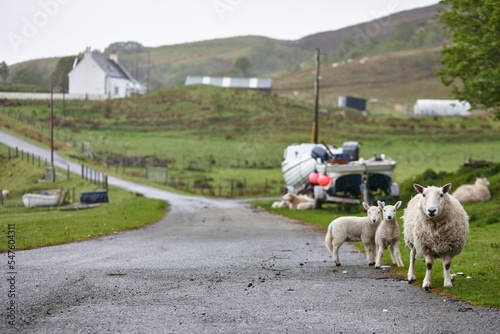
x: 51, y: 174
x: 188, y: 175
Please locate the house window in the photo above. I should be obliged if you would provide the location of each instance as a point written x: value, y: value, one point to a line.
x: 116, y: 90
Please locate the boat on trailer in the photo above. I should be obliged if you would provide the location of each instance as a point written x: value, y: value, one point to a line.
x: 344, y: 176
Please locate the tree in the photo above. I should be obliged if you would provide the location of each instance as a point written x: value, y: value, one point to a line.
x: 4, y: 71
x: 471, y: 60
x: 59, y: 77
x: 244, y: 65
x: 29, y: 76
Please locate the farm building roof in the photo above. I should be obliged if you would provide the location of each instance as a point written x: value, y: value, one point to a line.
x: 249, y: 83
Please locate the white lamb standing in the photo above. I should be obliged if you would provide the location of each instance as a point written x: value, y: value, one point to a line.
x: 361, y: 229
x: 435, y: 226
x: 387, y: 235
x: 477, y: 192
x: 299, y: 202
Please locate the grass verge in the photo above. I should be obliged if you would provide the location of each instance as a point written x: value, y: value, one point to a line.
x: 37, y: 227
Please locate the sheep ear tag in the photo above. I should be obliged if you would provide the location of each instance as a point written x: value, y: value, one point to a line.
x: 446, y: 188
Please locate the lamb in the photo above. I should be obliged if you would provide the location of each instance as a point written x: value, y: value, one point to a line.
x: 435, y: 226
x: 477, y: 192
x: 299, y: 202
x: 387, y: 234
x: 354, y: 229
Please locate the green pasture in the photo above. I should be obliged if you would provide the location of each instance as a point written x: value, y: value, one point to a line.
x: 479, y: 262
x: 224, y: 137
x: 36, y: 227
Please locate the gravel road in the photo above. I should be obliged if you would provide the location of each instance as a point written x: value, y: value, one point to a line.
x: 220, y: 266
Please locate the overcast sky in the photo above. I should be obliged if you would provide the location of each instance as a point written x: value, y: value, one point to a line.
x: 32, y: 29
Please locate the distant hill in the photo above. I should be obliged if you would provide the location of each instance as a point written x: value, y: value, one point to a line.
x: 171, y: 64
x: 383, y: 28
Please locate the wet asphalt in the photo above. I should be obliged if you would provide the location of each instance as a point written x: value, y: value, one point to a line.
x: 220, y: 266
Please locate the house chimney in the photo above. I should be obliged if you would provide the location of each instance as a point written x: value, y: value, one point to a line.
x: 87, y: 51
x: 114, y: 56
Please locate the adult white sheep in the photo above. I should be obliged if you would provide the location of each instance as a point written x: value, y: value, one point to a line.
x: 299, y: 202
x: 5, y: 193
x: 477, y: 192
x: 435, y: 226
x: 361, y: 229
x: 387, y: 235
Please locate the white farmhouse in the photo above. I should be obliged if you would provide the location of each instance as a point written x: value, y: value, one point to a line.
x: 94, y: 75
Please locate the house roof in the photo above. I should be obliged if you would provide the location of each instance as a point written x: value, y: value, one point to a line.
x: 111, y: 68
x: 253, y: 83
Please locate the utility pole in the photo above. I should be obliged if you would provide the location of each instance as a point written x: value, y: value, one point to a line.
x: 148, y: 72
x: 315, y: 128
x: 63, y: 96
x: 52, y: 132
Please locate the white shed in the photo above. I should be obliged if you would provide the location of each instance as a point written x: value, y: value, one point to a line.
x: 441, y: 108
x: 96, y: 75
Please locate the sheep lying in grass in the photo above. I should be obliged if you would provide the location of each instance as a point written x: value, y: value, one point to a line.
x: 362, y: 229
x: 387, y: 234
x: 435, y: 226
x: 477, y: 192
x: 299, y: 202
x: 280, y: 205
